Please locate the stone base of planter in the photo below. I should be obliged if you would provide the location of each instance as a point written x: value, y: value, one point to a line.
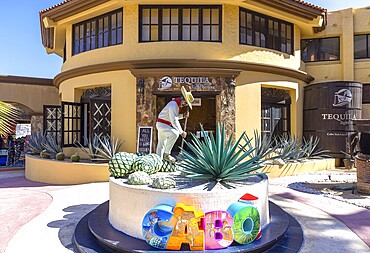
x: 363, y: 174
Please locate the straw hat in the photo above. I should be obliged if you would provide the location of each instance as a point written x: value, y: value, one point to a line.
x: 187, y: 96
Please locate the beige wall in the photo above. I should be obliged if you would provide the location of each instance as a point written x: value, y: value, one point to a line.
x: 228, y: 49
x: 31, y: 96
x: 345, y: 24
x: 248, y: 100
x: 123, y: 101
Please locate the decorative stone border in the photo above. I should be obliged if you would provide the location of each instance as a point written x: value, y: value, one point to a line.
x: 64, y: 172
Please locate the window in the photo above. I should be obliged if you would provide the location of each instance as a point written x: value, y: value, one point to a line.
x: 326, y: 49
x: 263, y: 31
x: 72, y: 123
x: 362, y: 46
x: 275, y: 120
x: 102, y: 31
x: 180, y: 23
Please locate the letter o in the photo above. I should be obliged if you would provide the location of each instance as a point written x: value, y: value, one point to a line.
x: 247, y: 224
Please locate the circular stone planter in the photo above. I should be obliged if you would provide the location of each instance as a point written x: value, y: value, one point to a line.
x: 128, y: 203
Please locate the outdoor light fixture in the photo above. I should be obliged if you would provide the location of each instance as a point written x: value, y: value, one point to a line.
x: 231, y: 86
x: 140, y: 86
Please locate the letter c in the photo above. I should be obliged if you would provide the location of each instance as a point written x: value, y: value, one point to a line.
x: 155, y: 230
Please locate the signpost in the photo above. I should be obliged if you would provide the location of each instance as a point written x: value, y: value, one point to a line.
x: 144, y: 139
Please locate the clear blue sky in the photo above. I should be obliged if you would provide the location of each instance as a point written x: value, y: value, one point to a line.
x: 21, y: 50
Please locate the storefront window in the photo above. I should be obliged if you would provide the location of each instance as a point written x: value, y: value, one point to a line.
x: 180, y: 23
x: 263, y: 31
x: 362, y: 46
x: 326, y: 49
x: 102, y: 31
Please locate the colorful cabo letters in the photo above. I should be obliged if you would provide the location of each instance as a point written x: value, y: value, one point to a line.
x: 168, y: 227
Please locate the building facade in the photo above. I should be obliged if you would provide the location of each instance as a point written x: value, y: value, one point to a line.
x: 243, y: 61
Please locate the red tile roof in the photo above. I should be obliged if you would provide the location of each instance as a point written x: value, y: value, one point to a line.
x: 297, y: 1
x: 310, y: 5
x: 55, y: 6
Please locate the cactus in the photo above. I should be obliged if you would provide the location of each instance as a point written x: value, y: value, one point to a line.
x: 164, y: 183
x: 60, y: 156
x: 75, y: 158
x: 139, y: 178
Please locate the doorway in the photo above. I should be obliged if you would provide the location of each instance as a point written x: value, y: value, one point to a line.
x: 203, y: 112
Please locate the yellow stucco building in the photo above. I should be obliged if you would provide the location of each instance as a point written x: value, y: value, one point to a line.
x: 247, y: 63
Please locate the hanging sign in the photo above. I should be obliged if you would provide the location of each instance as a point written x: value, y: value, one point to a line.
x: 144, y: 139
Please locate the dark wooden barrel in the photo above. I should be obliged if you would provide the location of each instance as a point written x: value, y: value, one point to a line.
x: 327, y: 113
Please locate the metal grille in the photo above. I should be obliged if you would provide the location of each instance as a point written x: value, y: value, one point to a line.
x: 100, y: 118
x: 53, y: 122
x: 72, y: 127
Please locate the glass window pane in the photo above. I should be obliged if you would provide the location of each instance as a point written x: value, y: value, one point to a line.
x: 166, y: 16
x: 266, y: 126
x: 194, y: 33
x: 174, y: 16
x: 154, y: 33
x: 165, y: 32
x: 186, y: 32
x: 206, y: 16
x: 249, y: 37
x: 119, y: 35
x: 186, y: 16
x: 360, y: 46
x: 243, y: 36
x: 206, y: 32
x: 119, y: 19
x: 145, y: 32
x: 145, y: 16
x: 249, y: 20
x: 243, y: 21
x: 215, y: 34
x: 114, y: 21
x: 329, y: 49
x: 215, y: 16
x: 154, y: 16
x: 174, y: 32
x: 194, y: 16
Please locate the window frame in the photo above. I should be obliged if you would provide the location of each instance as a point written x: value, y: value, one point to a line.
x: 180, y: 24
x: 317, y: 49
x: 367, y: 37
x: 68, y: 119
x: 270, y: 42
x: 85, y: 37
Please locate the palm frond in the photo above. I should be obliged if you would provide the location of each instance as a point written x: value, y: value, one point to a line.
x: 8, y: 117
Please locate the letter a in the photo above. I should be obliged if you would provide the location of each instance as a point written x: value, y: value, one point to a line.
x: 187, y: 228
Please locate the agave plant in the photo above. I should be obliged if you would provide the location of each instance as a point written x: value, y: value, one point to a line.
x: 92, y: 147
x: 263, y: 146
x: 8, y: 116
x: 287, y: 147
x: 218, y: 158
x: 51, y: 146
x: 35, y: 141
x: 109, y: 147
x: 310, y: 149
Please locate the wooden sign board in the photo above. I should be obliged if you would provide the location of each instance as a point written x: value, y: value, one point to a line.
x: 144, y: 139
